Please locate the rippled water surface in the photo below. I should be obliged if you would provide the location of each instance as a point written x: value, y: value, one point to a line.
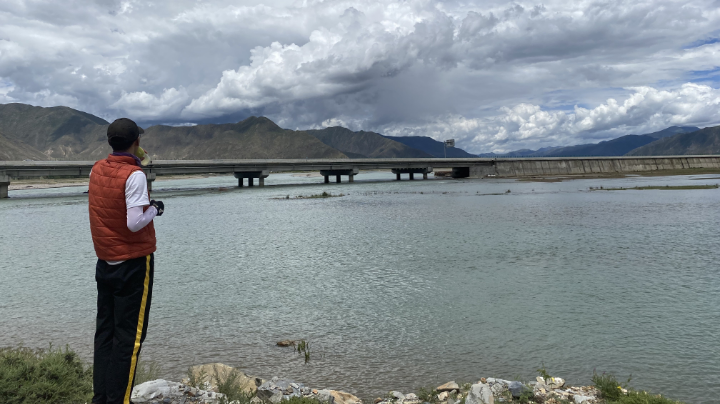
x: 397, y: 285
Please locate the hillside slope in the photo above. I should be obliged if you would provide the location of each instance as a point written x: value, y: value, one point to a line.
x: 615, y: 147
x: 431, y: 146
x: 59, y: 132
x: 703, y: 141
x: 252, y: 138
x: 13, y: 150
x: 364, y: 144
x: 672, y: 131
x: 64, y: 133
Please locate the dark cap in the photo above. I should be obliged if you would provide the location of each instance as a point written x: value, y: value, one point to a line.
x: 124, y: 129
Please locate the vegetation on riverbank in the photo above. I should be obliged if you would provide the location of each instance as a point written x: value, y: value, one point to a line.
x: 43, y: 376
x: 659, y: 187
x: 314, y: 196
x: 46, y: 376
x: 613, y: 392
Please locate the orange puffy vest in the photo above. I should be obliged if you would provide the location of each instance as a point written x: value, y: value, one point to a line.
x: 108, y: 212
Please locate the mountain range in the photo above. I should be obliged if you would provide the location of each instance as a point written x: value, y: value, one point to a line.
x: 61, y: 133
x: 703, y: 141
x: 615, y: 147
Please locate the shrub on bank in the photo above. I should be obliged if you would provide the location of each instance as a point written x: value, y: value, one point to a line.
x: 615, y: 393
x: 52, y: 376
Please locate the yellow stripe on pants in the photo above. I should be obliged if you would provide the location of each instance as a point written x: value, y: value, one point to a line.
x: 138, y: 335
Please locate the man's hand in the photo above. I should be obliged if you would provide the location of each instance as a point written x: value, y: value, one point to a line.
x: 159, y: 206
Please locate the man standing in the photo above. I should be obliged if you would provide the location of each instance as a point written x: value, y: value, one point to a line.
x: 121, y: 223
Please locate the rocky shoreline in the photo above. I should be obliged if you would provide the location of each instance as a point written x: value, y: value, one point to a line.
x: 205, y: 382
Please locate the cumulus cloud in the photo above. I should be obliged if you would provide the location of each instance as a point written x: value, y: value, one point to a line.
x: 148, y: 107
x: 645, y: 110
x: 495, y: 75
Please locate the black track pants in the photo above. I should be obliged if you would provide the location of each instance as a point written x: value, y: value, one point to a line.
x: 123, y: 304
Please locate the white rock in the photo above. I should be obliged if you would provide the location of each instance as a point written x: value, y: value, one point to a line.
x: 449, y: 386
x: 324, y: 396
x: 582, y: 399
x: 480, y: 393
x: 397, y: 395
x: 209, y: 374
x: 555, y: 382
x: 497, y: 388
x: 411, y: 396
x: 442, y: 396
x: 341, y: 397
x: 147, y: 391
x: 276, y: 397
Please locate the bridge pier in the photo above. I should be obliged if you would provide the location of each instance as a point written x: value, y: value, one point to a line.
x: 350, y: 172
x: 4, y: 185
x: 251, y: 175
x: 411, y: 172
x: 150, y: 177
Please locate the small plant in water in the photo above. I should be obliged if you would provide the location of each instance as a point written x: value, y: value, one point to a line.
x: 303, y: 347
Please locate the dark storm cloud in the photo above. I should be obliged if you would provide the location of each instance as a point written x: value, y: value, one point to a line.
x: 494, y: 75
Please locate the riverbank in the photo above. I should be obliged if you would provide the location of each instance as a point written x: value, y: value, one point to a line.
x: 47, y: 183
x: 58, y: 375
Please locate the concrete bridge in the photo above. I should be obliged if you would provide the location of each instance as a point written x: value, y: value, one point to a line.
x: 461, y: 167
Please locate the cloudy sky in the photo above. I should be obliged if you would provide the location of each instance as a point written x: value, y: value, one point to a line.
x: 495, y: 75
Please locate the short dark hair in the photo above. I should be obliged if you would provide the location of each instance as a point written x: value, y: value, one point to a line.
x: 120, y: 144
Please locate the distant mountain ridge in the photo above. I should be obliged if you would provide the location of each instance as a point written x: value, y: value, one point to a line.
x: 363, y: 144
x: 672, y: 131
x: 62, y: 133
x: 252, y: 138
x: 703, y: 141
x: 615, y: 147
x: 431, y: 146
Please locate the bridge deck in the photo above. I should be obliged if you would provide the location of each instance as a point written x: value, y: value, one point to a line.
x: 462, y: 167
x: 30, y: 169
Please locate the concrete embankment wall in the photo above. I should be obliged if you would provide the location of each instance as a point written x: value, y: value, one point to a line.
x: 598, y: 165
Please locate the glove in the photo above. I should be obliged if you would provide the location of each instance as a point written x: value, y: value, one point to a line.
x: 159, y: 206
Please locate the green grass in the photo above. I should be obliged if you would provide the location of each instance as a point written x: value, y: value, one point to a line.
x: 611, y: 392
x: 146, y: 371
x: 232, y: 390
x: 660, y: 187
x: 427, y: 395
x: 39, y: 376
x: 301, y: 400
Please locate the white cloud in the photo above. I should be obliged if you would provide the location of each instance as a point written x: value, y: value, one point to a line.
x: 418, y: 66
x: 645, y: 110
x: 144, y: 106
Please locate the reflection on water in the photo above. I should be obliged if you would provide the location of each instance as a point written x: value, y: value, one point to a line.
x: 396, y: 285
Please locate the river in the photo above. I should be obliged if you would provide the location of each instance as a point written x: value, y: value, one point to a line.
x: 397, y: 285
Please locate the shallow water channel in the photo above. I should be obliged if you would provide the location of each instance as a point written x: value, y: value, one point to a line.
x: 397, y: 285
